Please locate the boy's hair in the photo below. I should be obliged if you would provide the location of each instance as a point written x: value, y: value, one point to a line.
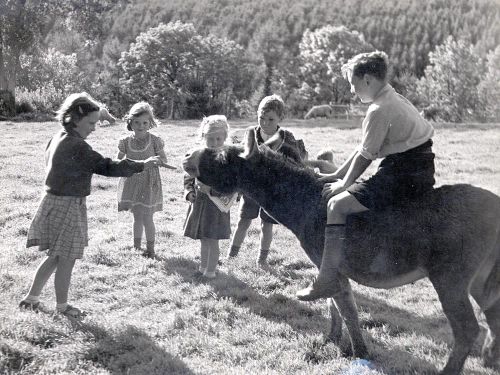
x: 272, y: 103
x: 212, y: 124
x: 75, y: 107
x: 374, y: 63
x: 140, y: 109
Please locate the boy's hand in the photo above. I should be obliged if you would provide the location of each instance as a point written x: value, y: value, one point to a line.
x: 333, y: 188
x: 151, y: 162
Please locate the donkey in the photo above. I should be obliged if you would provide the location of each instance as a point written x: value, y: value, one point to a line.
x: 453, y: 238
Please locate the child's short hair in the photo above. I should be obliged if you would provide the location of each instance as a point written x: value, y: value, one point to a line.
x: 272, y: 103
x: 373, y: 63
x: 212, y: 124
x: 75, y: 107
x: 139, y: 109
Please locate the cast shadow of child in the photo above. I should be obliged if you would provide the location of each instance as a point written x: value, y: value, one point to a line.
x: 128, y: 350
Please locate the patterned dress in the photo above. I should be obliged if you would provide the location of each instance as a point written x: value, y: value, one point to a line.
x: 142, y: 189
x: 204, y: 219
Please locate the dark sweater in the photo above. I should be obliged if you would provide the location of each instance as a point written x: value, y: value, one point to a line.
x: 70, y: 163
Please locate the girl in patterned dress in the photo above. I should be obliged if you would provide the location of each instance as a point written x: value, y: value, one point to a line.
x: 142, y: 193
x: 204, y: 221
x: 60, y: 223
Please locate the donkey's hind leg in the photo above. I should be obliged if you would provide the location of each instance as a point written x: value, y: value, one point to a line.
x: 454, y: 297
x: 491, y: 347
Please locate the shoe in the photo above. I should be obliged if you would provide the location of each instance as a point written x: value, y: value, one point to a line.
x: 148, y: 254
x: 197, y: 275
x: 209, y: 275
x: 233, y: 252
x: 72, y: 312
x: 26, y: 305
x: 318, y: 289
x: 262, y: 259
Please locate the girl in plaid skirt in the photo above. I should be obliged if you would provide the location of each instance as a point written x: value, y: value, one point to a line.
x: 60, y: 223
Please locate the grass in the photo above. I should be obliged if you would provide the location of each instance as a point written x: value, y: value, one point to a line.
x: 151, y: 317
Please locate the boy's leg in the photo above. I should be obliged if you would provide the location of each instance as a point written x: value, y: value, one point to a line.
x: 150, y: 231
x: 213, y: 258
x: 239, y: 236
x: 138, y: 226
x: 62, y: 279
x: 338, y: 208
x: 42, y: 274
x: 266, y: 237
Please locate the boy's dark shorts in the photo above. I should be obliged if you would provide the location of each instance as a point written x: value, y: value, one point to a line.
x: 400, y: 178
x: 249, y: 209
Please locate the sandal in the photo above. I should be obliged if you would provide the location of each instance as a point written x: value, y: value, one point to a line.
x: 71, y: 312
x: 27, y: 305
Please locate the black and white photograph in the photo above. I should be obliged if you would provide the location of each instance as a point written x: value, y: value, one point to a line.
x: 271, y: 187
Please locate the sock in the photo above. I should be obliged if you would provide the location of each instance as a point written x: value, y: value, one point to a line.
x: 208, y: 274
x: 137, y: 243
x: 202, y: 269
x: 61, y: 306
x: 234, y: 251
x: 31, y: 299
x: 263, y: 253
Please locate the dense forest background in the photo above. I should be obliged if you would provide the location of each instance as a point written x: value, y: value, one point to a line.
x: 272, y: 47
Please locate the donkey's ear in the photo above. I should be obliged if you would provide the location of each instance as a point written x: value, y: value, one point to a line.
x: 250, y: 143
x: 276, y: 141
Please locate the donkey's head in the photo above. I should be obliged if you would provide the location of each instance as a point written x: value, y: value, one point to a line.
x: 223, y: 168
x: 218, y: 168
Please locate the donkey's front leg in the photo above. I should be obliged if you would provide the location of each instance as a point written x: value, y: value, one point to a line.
x: 347, y: 308
x: 335, y: 334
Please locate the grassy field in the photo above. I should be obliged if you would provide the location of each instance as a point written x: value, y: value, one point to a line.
x: 150, y: 316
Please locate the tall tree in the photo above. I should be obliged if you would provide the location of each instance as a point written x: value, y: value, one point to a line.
x: 25, y: 23
x: 322, y: 53
x: 451, y: 80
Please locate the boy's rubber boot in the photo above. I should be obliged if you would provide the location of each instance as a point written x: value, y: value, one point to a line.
x: 233, y: 252
x: 262, y: 259
x: 323, y: 286
x: 150, y: 249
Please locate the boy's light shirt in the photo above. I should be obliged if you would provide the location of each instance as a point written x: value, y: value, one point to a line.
x: 392, y: 125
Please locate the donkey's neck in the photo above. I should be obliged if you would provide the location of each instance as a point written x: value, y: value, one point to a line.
x: 286, y: 192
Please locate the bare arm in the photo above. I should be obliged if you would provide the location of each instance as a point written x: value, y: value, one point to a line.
x: 357, y: 166
x: 341, y: 171
x: 162, y: 156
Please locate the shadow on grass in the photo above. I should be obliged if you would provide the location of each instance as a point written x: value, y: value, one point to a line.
x: 128, y: 350
x: 282, y: 309
x: 275, y: 307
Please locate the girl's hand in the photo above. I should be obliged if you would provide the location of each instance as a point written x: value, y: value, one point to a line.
x: 191, y: 196
x: 202, y: 187
x: 151, y: 162
x: 332, y: 177
x: 333, y: 188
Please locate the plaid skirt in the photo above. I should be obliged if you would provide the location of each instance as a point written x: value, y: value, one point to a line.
x: 60, y: 225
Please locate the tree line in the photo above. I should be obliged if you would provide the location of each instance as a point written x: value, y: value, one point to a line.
x: 234, y: 52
